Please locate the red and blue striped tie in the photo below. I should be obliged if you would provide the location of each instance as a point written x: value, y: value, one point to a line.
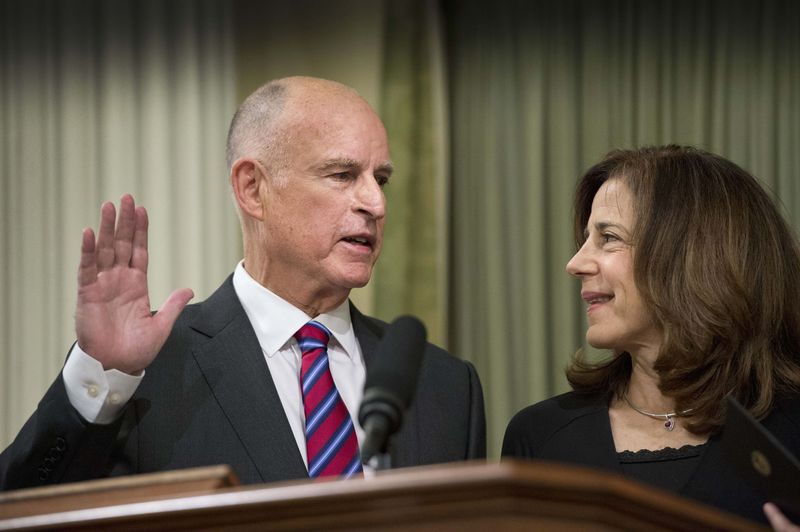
x: 331, y: 443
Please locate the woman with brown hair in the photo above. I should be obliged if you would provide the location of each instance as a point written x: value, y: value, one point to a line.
x: 692, y: 281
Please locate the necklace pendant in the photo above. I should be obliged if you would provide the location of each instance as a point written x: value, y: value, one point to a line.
x: 669, y: 424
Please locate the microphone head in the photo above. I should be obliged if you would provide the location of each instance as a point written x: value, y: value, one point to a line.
x: 397, y: 359
x: 390, y: 384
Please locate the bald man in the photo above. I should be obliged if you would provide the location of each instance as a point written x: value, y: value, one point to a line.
x: 229, y: 380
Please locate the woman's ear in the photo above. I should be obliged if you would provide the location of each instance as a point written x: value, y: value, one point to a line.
x: 248, y: 181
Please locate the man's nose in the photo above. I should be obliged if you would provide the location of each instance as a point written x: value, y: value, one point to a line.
x: 370, y: 197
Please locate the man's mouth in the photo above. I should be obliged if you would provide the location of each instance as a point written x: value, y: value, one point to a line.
x: 359, y: 241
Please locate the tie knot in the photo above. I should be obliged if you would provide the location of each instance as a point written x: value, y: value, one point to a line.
x: 312, y: 336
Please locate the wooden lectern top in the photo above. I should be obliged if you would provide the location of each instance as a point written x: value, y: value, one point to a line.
x: 465, y: 496
x: 115, y: 491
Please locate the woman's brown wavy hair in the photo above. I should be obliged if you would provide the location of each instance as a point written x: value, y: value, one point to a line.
x: 719, y: 267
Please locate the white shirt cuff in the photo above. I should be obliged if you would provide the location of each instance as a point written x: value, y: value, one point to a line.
x: 97, y: 395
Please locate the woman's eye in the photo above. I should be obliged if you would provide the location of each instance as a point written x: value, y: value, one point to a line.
x: 608, y: 237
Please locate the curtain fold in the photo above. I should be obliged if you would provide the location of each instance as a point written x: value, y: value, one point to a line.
x: 411, y: 276
x: 96, y: 99
x: 539, y: 91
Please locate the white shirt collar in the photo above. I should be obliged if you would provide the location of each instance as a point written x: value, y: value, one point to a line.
x: 275, y: 320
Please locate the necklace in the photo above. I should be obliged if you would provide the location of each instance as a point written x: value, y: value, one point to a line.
x: 669, y: 419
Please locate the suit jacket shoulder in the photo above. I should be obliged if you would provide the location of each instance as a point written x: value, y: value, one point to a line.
x: 446, y: 420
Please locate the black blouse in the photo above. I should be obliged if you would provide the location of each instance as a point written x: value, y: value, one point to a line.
x: 667, y: 468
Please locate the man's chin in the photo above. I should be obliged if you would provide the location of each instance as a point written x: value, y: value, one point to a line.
x: 358, y: 279
x: 349, y: 274
x: 356, y: 283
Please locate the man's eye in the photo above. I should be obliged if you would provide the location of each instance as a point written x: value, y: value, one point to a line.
x: 341, y: 175
x: 382, y: 180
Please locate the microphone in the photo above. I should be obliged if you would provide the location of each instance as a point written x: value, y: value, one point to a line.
x: 390, y: 384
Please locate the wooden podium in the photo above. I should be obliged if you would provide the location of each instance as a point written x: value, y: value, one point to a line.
x: 467, y: 496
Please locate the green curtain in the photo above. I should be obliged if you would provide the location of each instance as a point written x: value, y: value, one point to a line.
x: 540, y: 90
x: 410, y: 277
x: 98, y: 98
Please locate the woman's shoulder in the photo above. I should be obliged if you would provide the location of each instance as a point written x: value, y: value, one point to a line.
x: 784, y: 421
x: 566, y: 405
x: 790, y: 404
x: 534, y: 425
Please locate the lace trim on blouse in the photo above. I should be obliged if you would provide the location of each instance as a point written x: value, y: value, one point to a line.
x: 661, y: 455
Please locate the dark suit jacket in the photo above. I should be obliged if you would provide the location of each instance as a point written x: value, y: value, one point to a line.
x: 208, y: 398
x: 576, y: 429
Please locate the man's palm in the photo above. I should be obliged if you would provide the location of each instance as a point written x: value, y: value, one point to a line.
x: 113, y: 321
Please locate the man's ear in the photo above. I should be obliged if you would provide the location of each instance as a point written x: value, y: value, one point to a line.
x: 248, y: 181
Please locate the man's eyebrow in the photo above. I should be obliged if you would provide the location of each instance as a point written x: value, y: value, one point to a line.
x: 386, y: 168
x: 349, y: 164
x: 339, y: 163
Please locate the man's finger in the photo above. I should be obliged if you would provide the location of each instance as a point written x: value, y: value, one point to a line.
x: 168, y: 313
x: 139, y: 255
x: 104, y: 250
x: 87, y: 268
x: 126, y: 225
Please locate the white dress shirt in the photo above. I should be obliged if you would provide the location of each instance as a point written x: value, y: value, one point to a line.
x: 100, y: 395
x: 275, y: 322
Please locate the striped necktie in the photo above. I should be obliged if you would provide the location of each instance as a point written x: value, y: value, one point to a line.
x: 331, y: 443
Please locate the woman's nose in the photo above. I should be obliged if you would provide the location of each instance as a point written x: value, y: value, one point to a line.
x: 582, y: 263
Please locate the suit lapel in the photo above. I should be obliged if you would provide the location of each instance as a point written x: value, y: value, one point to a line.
x: 239, y: 378
x: 404, y: 444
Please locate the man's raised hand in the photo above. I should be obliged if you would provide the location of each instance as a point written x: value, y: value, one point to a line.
x: 113, y: 319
